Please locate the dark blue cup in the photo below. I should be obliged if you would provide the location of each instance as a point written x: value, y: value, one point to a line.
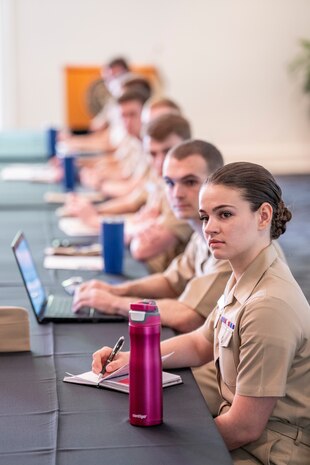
x: 68, y: 163
x: 112, y: 241
x: 51, y: 142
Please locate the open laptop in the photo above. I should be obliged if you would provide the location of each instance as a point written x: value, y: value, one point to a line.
x: 47, y: 307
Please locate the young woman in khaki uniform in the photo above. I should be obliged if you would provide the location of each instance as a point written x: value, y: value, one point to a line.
x: 259, y: 333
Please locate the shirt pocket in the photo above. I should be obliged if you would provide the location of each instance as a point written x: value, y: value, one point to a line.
x: 226, y: 357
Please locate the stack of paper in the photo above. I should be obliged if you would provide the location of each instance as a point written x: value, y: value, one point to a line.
x: 62, y: 262
x: 61, y: 197
x: 74, y: 227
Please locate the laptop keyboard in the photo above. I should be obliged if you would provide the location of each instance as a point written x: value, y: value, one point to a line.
x: 61, y: 306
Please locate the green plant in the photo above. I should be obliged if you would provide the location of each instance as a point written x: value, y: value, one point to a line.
x: 301, y: 64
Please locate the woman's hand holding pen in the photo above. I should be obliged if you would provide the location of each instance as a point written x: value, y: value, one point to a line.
x: 101, y: 356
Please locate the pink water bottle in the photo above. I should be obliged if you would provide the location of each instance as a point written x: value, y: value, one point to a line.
x: 145, y: 366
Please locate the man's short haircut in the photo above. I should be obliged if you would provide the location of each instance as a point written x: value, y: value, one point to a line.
x: 209, y: 152
x: 118, y: 61
x: 137, y: 82
x: 166, y: 103
x: 135, y: 94
x: 164, y: 125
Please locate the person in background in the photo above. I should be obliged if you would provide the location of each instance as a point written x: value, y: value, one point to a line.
x: 120, y: 173
x: 112, y: 74
x: 155, y: 234
x: 77, y: 206
x: 107, y: 128
x: 116, y: 68
x: 189, y: 288
x: 259, y: 333
x: 126, y: 82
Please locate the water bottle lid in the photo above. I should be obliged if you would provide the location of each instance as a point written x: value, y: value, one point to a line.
x: 145, y: 306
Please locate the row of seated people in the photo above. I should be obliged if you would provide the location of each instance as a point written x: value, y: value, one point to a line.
x: 243, y: 215
x: 130, y: 177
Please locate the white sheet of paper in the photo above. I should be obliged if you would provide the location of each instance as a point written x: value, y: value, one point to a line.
x: 28, y: 172
x: 91, y: 378
x: 61, y: 262
x: 74, y: 227
x: 61, y: 197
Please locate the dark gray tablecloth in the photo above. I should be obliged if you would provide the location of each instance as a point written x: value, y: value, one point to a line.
x: 44, y: 421
x: 17, y: 194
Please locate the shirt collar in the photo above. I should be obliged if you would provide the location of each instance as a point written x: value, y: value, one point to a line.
x: 242, y: 289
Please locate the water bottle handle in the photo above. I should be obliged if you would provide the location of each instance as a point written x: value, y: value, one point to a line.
x: 144, y: 306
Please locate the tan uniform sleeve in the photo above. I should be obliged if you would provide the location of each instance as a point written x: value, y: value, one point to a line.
x: 138, y: 197
x: 160, y: 262
x: 182, y: 268
x: 202, y: 293
x: 207, y: 329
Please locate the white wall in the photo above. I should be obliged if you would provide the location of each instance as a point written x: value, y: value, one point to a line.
x: 224, y: 61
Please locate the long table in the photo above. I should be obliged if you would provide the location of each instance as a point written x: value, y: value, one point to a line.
x: 46, y: 421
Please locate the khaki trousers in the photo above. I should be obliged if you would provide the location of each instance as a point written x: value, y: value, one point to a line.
x: 280, y: 444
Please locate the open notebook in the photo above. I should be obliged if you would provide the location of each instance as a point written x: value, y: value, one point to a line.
x: 118, y: 380
x: 74, y: 257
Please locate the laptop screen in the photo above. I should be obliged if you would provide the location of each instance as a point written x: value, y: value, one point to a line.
x: 29, y: 274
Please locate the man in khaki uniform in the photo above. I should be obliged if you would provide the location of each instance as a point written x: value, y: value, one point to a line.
x: 188, y: 290
x: 119, y: 173
x: 239, y: 327
x: 155, y: 234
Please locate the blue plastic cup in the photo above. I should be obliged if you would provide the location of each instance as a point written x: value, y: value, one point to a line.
x: 112, y: 241
x: 68, y: 173
x: 51, y: 142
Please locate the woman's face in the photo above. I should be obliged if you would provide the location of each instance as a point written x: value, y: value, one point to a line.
x: 232, y: 230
